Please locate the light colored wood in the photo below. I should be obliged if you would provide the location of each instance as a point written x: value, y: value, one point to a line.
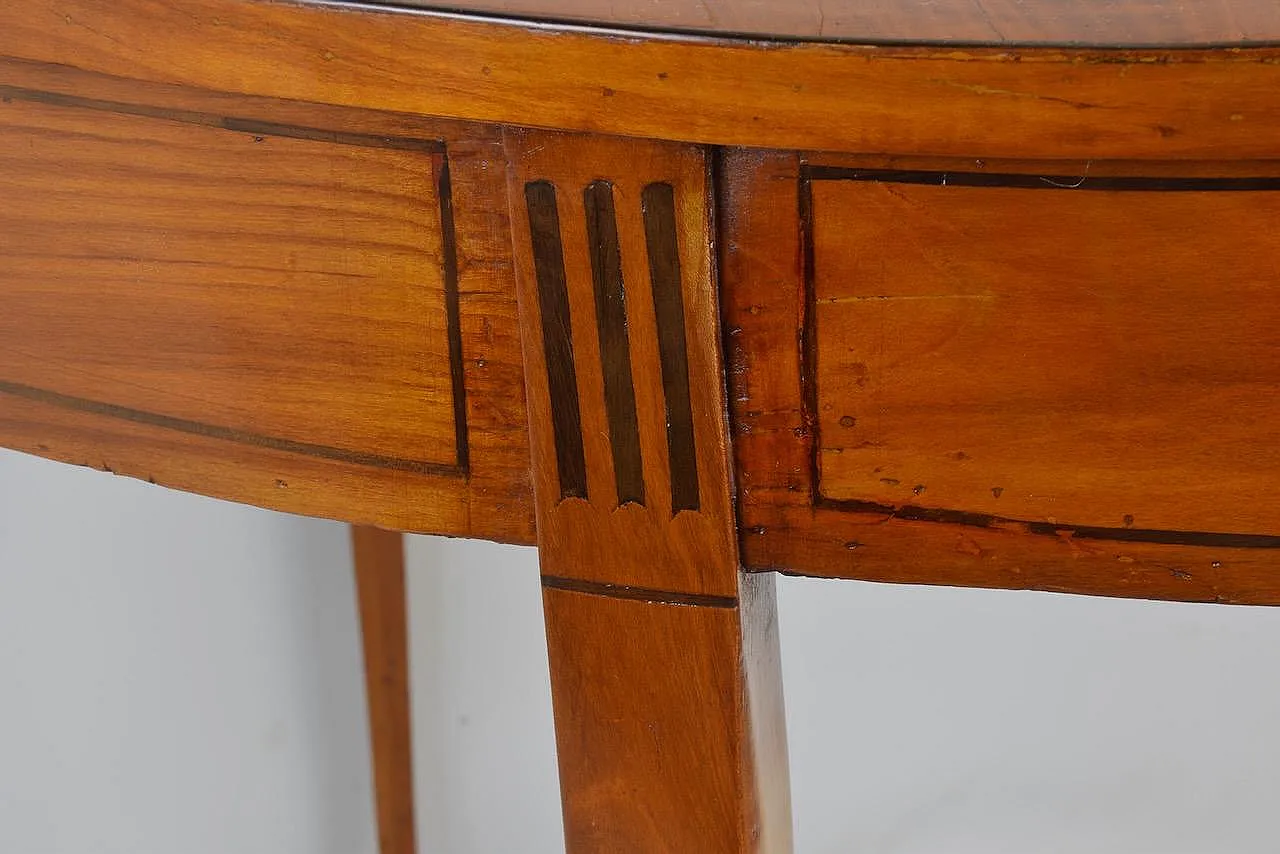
x: 665, y: 677
x: 789, y: 521
x: 668, y: 739
x: 689, y: 552
x: 1112, y: 23
x: 380, y: 588
x: 250, y: 298
x: 949, y: 100
x: 1094, y: 357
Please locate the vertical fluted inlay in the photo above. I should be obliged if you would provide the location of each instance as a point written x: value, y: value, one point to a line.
x: 557, y: 337
x: 615, y: 349
x: 659, y: 210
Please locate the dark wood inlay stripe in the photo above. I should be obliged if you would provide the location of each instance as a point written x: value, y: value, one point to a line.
x: 639, y: 594
x: 453, y: 314
x: 253, y: 127
x: 229, y: 434
x: 557, y: 339
x: 1159, y: 536
x: 615, y: 348
x: 1042, y: 182
x: 658, y: 206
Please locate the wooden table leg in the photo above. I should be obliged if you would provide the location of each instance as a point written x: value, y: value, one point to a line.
x: 668, y: 720
x: 664, y: 658
x: 380, y: 587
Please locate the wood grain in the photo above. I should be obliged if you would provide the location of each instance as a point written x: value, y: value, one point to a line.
x: 957, y: 101
x: 257, y: 299
x: 380, y: 588
x: 664, y: 665
x: 616, y: 351
x: 1208, y: 547
x: 1100, y: 352
x: 1109, y: 23
x: 669, y: 723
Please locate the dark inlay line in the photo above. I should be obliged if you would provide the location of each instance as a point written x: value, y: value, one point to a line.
x: 229, y: 434
x: 1039, y: 182
x: 453, y: 315
x: 658, y: 206
x: 615, y: 349
x: 971, y: 179
x: 639, y: 594
x: 557, y: 339
x: 808, y: 338
x: 253, y: 127
x: 1058, y: 529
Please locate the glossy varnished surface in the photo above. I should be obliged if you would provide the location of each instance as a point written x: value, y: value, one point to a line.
x: 1134, y: 380
x: 1112, y: 23
x: 992, y: 102
x: 1095, y: 350
x: 664, y: 657
x: 594, y: 342
x: 270, y: 301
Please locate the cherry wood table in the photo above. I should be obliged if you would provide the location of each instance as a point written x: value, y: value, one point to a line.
x: 687, y: 294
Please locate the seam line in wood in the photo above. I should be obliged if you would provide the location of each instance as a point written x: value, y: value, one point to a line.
x: 640, y: 594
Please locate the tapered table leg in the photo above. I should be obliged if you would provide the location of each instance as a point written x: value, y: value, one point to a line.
x: 380, y: 587
x: 664, y: 657
x: 669, y: 725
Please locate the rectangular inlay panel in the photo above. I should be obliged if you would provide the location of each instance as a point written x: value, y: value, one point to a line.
x: 232, y: 277
x: 1047, y: 349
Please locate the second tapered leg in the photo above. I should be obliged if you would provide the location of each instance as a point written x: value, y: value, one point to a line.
x: 380, y: 586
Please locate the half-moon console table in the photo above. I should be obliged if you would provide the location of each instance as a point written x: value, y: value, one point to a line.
x: 958, y: 292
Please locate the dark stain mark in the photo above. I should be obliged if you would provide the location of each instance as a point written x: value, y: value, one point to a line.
x: 607, y: 92
x: 252, y: 127
x: 557, y: 339
x: 890, y: 481
x: 639, y: 594
x: 662, y: 75
x: 228, y: 434
x: 1038, y: 182
x: 615, y: 349
x: 1128, y: 520
x: 961, y: 455
x: 453, y: 313
x: 659, y: 210
x: 997, y: 491
x: 847, y: 421
x: 1166, y: 131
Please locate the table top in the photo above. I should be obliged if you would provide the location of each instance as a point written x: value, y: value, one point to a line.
x: 1094, y: 23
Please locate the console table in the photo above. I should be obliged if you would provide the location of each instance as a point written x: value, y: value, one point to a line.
x: 686, y: 294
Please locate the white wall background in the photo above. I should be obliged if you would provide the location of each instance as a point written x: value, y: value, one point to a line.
x: 182, y: 676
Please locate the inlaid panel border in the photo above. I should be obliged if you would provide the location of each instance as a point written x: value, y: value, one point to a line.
x: 435, y: 149
x: 809, y: 173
